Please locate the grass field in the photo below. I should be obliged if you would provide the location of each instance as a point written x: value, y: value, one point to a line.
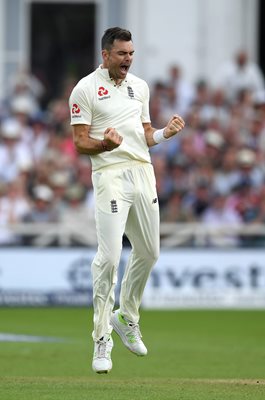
x: 202, y: 355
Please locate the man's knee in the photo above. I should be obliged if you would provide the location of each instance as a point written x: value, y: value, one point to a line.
x: 154, y: 256
x: 107, y: 259
x: 150, y: 256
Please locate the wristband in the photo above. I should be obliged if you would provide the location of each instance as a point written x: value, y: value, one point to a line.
x: 158, y: 136
x: 104, y: 146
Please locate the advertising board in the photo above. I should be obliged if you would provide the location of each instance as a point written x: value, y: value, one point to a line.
x: 182, y: 278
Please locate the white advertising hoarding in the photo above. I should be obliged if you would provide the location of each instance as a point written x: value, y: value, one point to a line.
x: 183, y: 278
x: 206, y: 279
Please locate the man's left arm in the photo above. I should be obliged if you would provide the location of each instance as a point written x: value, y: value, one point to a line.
x: 154, y: 136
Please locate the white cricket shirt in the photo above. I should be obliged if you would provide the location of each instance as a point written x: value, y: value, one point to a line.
x: 97, y: 101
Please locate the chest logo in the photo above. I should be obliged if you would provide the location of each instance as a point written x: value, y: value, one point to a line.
x: 102, y: 91
x: 114, y: 206
x: 130, y: 92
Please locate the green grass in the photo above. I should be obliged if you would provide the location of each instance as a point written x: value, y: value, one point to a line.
x: 193, y: 355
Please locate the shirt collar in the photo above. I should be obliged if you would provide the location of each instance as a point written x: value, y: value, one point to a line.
x: 104, y: 73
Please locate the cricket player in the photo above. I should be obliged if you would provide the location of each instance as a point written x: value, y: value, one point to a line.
x: 111, y: 123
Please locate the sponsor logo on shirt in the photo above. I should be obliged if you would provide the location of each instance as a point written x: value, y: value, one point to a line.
x: 75, y: 111
x: 102, y: 92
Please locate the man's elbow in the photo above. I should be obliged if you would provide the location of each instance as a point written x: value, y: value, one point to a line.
x: 78, y: 146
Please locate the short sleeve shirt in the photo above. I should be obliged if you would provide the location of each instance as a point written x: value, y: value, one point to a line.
x: 97, y: 101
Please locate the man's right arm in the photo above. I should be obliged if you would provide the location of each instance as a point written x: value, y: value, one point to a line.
x: 85, y: 144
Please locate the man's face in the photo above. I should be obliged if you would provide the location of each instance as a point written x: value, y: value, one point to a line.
x: 119, y: 59
x: 242, y: 59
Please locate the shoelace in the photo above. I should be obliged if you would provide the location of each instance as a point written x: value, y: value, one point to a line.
x: 136, y: 331
x: 102, y: 349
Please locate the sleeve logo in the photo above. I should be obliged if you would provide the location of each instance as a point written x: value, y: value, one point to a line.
x: 75, y: 109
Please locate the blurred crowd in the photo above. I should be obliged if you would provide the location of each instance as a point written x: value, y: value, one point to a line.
x: 212, y: 173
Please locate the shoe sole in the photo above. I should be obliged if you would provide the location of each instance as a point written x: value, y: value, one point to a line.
x: 123, y: 337
x: 102, y: 372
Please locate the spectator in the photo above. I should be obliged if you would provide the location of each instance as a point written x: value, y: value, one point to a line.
x: 199, y: 199
x: 248, y: 168
x: 38, y: 137
x: 216, y: 110
x: 175, y: 211
x: 77, y: 210
x: 214, y: 146
x: 184, y: 93
x: 14, y: 205
x: 238, y: 74
x: 255, y: 133
x: 246, y: 201
x: 13, y: 152
x: 180, y: 174
x: 218, y: 216
x: 226, y: 178
x: 158, y: 99
x: 27, y: 86
x: 43, y: 209
x: 202, y: 94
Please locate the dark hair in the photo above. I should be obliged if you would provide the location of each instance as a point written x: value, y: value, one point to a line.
x: 112, y: 34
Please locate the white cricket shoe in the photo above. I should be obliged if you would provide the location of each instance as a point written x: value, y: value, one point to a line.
x: 102, y: 363
x: 129, y: 333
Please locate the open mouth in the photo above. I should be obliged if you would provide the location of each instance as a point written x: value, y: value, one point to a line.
x: 124, y: 68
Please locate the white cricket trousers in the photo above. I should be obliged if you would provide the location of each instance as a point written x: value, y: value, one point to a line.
x: 126, y: 201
